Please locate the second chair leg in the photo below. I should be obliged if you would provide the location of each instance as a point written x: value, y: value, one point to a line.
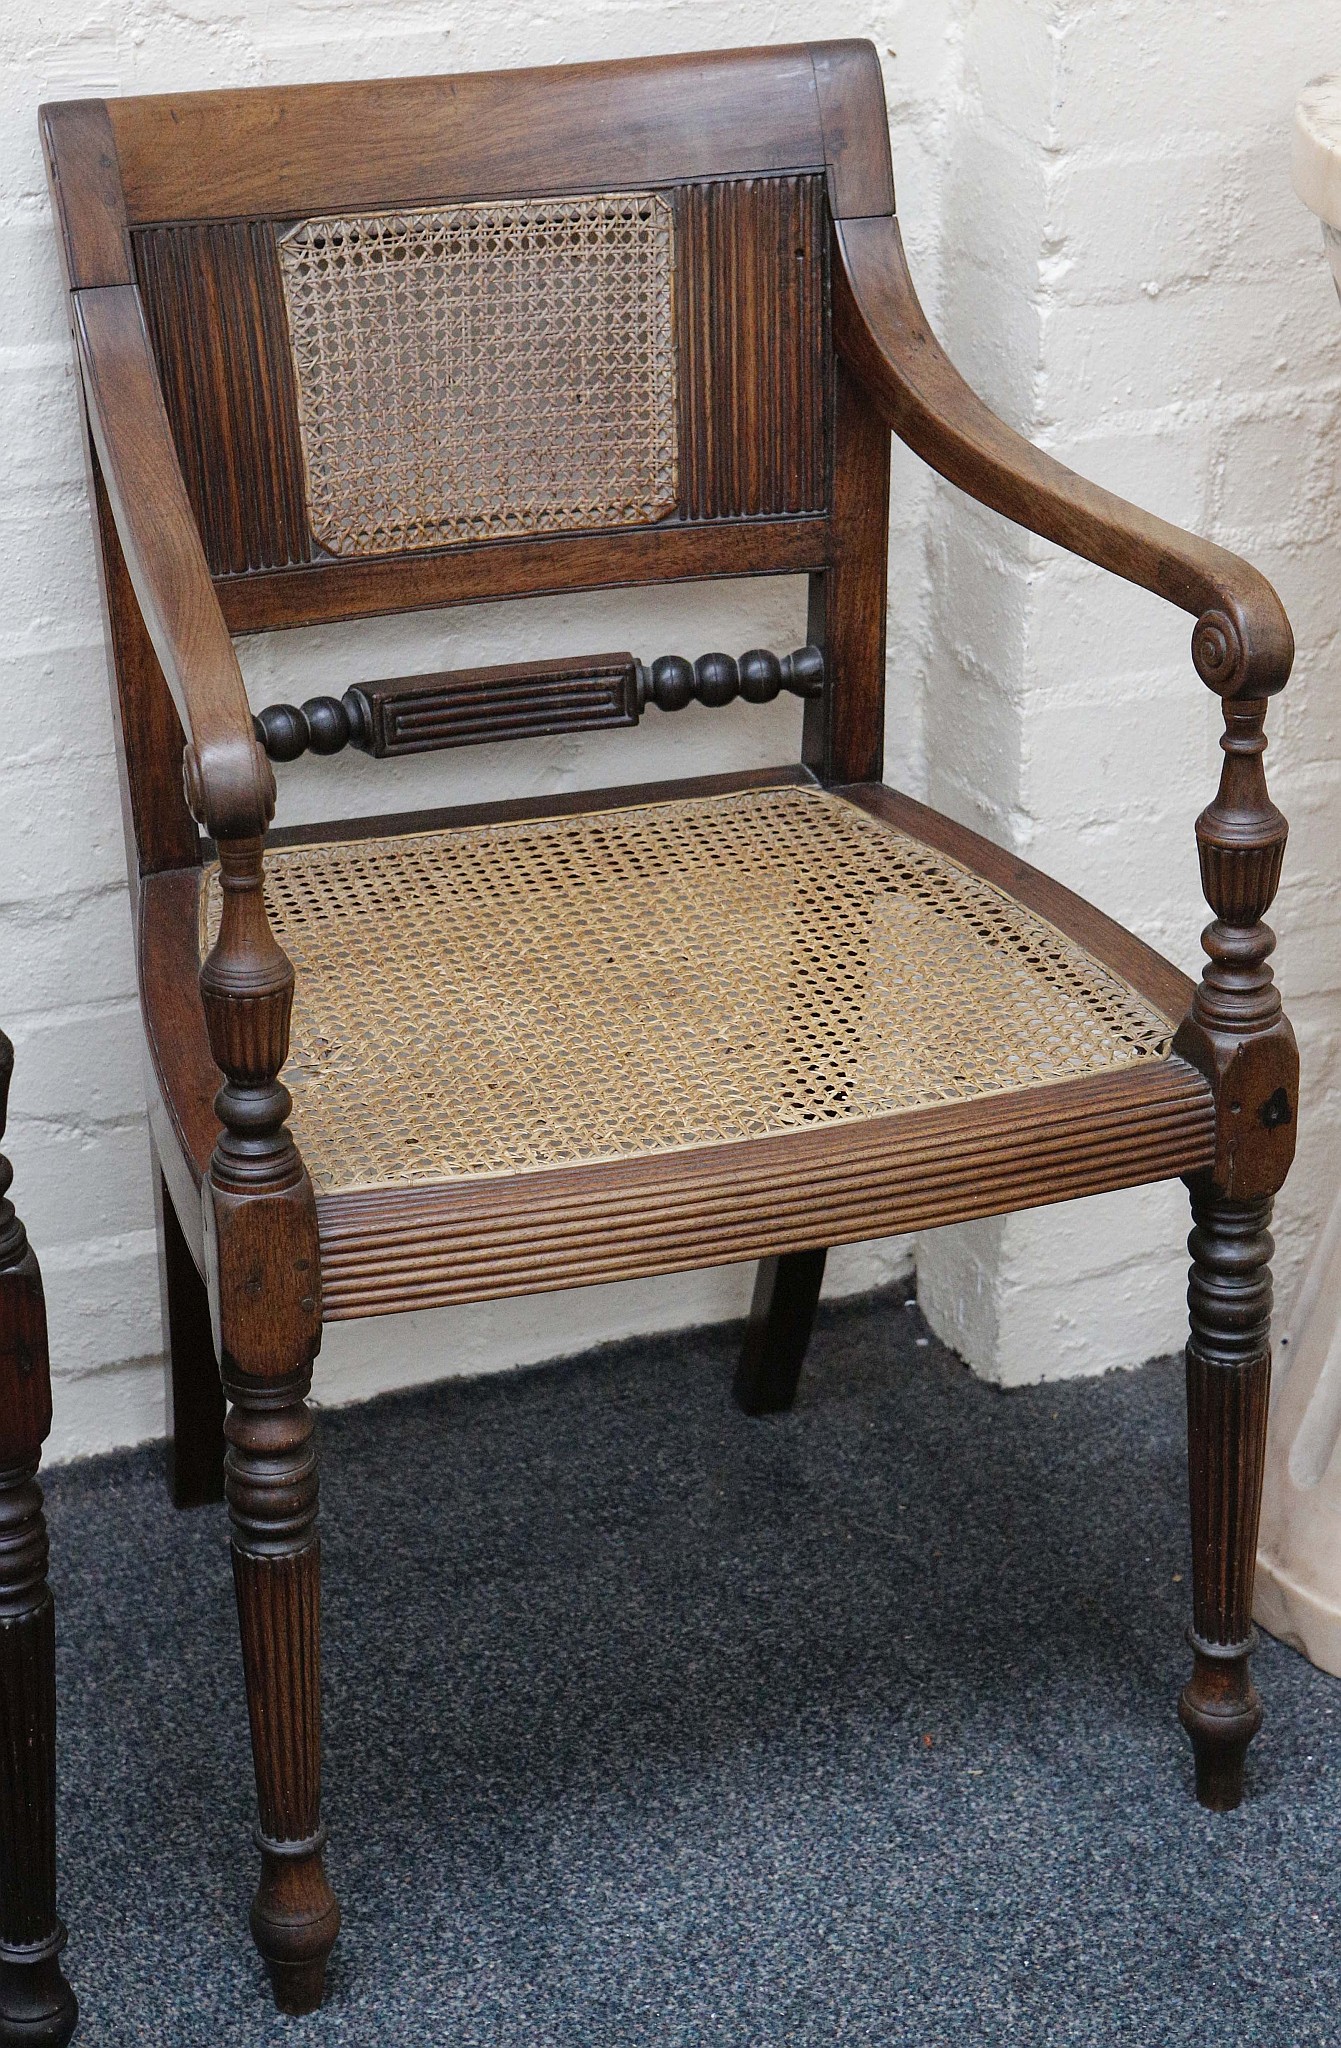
x: 195, y: 1400
x: 1228, y: 1382
x: 782, y: 1315
x: 37, y: 2007
x: 271, y: 1478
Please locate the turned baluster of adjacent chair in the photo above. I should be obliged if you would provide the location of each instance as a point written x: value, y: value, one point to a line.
x: 630, y: 1031
x: 37, y: 2007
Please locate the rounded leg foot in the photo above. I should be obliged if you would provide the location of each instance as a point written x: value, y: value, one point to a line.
x: 1221, y: 1712
x: 37, y: 2006
x: 295, y: 1918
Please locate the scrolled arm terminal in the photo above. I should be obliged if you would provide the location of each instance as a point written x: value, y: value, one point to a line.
x: 1242, y: 646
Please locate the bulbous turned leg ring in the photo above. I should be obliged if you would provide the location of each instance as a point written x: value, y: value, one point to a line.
x: 37, y: 2006
x: 1221, y: 1712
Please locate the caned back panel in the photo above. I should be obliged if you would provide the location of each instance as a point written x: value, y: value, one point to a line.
x: 474, y: 372
x: 370, y: 385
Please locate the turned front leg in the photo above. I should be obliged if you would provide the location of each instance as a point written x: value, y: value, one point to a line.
x: 270, y: 1476
x: 1236, y: 1032
x: 1228, y: 1383
x: 262, y: 1258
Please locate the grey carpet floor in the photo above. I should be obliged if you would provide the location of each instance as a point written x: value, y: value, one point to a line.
x: 648, y: 1724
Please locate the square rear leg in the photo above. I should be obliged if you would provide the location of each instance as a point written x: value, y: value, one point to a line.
x: 782, y: 1315
x: 194, y: 1391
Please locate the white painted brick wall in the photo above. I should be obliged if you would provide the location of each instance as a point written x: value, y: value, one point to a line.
x: 1097, y: 209
x: 1121, y: 174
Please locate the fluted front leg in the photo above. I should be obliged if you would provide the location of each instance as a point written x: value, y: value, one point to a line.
x: 1228, y: 1383
x: 263, y: 1271
x: 37, y: 2006
x: 270, y: 1474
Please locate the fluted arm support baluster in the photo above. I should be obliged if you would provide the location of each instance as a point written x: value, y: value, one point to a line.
x: 1236, y: 1030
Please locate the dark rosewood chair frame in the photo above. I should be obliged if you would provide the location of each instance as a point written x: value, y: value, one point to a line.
x: 164, y: 207
x: 37, y: 2006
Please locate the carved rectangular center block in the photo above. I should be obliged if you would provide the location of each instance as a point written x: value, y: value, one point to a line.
x: 416, y: 714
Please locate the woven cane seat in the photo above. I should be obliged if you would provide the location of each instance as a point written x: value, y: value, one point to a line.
x: 494, y: 999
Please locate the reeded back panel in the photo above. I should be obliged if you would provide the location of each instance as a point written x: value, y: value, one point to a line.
x: 356, y: 387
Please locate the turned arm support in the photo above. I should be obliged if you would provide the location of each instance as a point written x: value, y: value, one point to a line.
x: 229, y: 784
x: 1235, y: 1030
x: 1242, y: 645
x: 246, y: 984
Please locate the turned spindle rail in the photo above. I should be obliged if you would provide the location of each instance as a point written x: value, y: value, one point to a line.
x: 462, y: 707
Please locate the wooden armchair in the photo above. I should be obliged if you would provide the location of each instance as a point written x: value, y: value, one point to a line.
x: 359, y: 349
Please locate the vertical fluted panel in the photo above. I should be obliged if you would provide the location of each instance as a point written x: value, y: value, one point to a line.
x: 215, y: 314
x: 750, y: 298
x: 279, y: 1611
x: 28, y: 1776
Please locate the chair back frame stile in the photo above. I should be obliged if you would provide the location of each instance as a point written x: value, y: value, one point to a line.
x: 357, y: 349
x: 137, y: 218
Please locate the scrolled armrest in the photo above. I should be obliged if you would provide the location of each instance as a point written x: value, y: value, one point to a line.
x: 230, y: 785
x: 1242, y: 645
